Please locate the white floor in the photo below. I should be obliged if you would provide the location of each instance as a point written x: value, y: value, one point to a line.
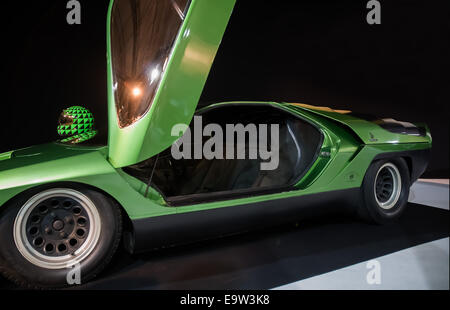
x: 430, y: 193
x: 423, y: 267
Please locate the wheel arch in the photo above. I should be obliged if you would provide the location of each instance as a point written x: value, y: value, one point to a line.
x: 126, y: 221
x: 409, y: 163
x: 416, y: 160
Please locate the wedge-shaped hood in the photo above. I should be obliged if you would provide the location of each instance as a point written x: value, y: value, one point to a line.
x: 160, y: 53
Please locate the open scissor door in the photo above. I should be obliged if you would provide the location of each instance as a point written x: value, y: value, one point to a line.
x: 159, y: 56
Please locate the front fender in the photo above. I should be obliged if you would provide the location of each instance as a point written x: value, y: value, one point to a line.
x: 48, y: 163
x: 57, y: 163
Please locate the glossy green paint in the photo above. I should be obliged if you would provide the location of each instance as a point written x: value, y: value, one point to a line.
x: 336, y: 140
x: 6, y: 155
x: 344, y: 168
x: 54, y: 163
x: 369, y: 132
x: 182, y: 83
x: 344, y: 175
x: 348, y: 148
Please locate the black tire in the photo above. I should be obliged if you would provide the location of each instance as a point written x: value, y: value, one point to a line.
x: 371, y: 208
x: 20, y: 270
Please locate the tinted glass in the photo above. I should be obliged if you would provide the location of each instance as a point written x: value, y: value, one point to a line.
x: 142, y: 36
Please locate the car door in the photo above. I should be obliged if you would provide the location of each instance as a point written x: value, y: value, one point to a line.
x: 159, y: 56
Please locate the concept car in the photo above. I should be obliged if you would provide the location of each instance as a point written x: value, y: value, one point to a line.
x: 70, y: 203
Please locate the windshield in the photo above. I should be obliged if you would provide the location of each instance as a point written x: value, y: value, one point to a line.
x: 143, y: 33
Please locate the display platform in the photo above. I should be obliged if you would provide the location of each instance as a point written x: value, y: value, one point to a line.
x: 323, y: 253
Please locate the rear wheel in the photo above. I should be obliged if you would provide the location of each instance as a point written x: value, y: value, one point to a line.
x: 50, y: 235
x: 385, y: 191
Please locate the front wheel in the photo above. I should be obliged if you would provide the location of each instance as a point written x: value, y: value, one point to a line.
x: 385, y: 191
x: 58, y: 237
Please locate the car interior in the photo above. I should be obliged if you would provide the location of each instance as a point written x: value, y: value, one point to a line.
x: 191, y: 180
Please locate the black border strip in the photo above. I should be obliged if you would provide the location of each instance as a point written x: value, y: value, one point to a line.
x: 168, y: 230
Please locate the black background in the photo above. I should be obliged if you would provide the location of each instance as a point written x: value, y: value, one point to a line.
x: 315, y: 52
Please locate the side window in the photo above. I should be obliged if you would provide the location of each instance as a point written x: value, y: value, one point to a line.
x: 295, y: 150
x: 142, y: 36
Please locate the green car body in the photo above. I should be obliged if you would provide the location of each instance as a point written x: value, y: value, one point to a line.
x: 347, y: 158
x: 350, y: 145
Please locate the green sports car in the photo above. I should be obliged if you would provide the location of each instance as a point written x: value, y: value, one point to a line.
x: 69, y: 203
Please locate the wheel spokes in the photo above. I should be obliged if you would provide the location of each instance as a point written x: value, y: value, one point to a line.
x: 57, y: 227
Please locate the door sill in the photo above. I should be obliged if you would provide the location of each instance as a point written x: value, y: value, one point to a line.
x: 184, y: 200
